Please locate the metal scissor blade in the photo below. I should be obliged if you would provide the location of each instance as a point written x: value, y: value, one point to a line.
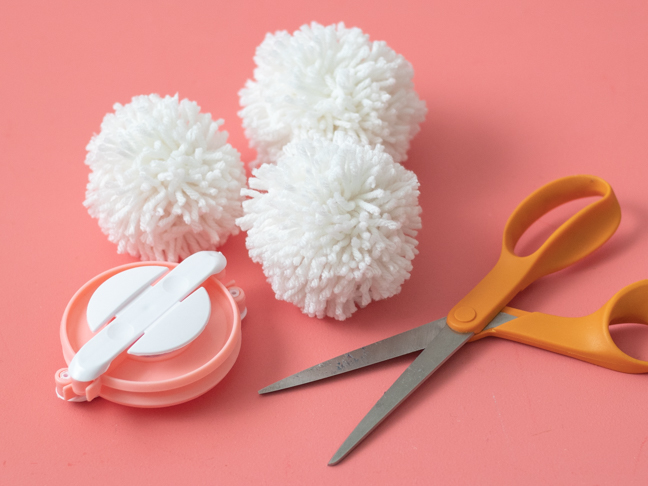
x: 444, y: 345
x: 392, y: 347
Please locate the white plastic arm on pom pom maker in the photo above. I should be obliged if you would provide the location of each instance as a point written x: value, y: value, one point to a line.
x: 156, y: 315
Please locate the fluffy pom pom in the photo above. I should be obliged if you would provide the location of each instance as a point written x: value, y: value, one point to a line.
x: 333, y: 223
x: 323, y: 80
x: 164, y: 182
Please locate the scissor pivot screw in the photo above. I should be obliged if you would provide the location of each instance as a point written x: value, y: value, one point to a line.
x: 465, y: 314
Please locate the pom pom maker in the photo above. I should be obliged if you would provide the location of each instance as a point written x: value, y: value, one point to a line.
x: 144, y: 336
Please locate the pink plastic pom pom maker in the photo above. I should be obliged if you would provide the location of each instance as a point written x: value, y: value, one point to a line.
x: 144, y: 336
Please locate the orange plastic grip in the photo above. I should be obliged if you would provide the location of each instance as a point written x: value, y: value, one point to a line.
x: 585, y: 338
x: 576, y: 238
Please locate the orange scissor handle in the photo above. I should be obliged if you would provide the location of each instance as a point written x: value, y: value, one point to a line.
x: 576, y: 238
x: 585, y: 338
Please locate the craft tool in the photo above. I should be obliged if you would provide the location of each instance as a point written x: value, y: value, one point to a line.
x: 482, y: 311
x: 151, y: 345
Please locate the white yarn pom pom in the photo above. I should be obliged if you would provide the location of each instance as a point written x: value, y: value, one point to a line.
x: 333, y: 223
x: 164, y: 182
x: 323, y: 80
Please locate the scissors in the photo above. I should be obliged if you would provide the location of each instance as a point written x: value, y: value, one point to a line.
x: 482, y: 312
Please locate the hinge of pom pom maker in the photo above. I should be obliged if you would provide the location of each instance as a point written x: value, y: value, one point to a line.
x: 149, y: 320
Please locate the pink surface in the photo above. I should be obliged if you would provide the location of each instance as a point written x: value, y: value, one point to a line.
x: 518, y: 94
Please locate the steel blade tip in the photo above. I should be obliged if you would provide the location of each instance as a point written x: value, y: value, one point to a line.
x: 347, y: 446
x: 273, y: 388
x: 267, y: 389
x: 338, y: 456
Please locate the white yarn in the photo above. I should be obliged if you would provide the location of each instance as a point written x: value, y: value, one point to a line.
x: 333, y: 223
x: 164, y: 182
x: 323, y: 80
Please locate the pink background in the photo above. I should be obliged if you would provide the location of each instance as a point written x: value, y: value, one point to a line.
x: 519, y: 93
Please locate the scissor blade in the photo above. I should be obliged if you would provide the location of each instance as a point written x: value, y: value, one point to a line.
x: 444, y: 345
x: 392, y: 347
